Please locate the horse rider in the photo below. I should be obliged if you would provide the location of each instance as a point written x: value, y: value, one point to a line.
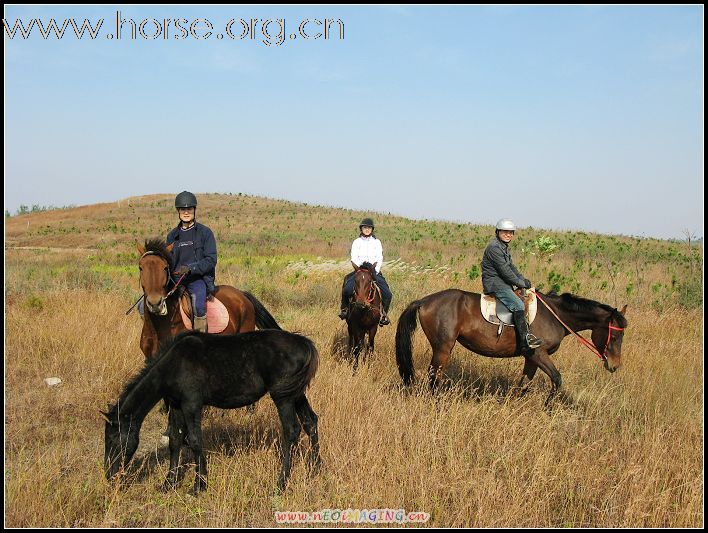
x: 367, y: 248
x: 194, y: 256
x: 499, y: 275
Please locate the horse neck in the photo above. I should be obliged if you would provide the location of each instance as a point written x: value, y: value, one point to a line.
x: 580, y: 320
x: 142, y: 397
x: 164, y: 325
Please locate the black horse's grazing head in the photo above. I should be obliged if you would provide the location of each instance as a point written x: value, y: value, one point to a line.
x: 122, y: 439
x: 122, y: 433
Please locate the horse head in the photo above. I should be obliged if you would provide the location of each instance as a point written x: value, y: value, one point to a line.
x: 364, y: 289
x: 607, y: 338
x: 122, y: 440
x: 155, y: 266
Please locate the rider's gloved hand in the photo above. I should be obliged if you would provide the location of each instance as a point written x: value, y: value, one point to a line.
x: 182, y: 270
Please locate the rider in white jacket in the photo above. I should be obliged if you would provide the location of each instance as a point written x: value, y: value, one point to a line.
x: 367, y: 248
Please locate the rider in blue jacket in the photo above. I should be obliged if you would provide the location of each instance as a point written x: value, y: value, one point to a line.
x: 193, y: 254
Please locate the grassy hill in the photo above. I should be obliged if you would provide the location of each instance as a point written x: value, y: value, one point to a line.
x: 620, y: 450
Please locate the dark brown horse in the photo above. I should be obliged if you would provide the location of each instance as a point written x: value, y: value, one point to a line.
x: 364, y: 312
x: 454, y: 316
x: 162, y: 319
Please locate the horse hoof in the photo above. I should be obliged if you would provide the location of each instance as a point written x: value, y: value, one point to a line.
x: 168, y: 486
x: 197, y: 489
x: 315, y: 467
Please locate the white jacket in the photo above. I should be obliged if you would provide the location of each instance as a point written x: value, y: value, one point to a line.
x: 367, y: 249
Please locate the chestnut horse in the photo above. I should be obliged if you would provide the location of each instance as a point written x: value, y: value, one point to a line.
x: 364, y: 312
x: 454, y: 316
x: 162, y: 318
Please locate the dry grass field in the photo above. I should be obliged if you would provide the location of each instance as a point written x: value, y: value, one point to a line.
x: 616, y: 450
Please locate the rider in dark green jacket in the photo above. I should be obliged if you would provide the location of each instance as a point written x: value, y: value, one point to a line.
x: 499, y: 276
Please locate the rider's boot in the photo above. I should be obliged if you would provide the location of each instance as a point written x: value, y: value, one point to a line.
x: 200, y: 323
x: 384, y: 321
x: 528, y: 342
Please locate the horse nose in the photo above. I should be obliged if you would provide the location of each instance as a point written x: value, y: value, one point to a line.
x: 152, y: 303
x: 612, y: 367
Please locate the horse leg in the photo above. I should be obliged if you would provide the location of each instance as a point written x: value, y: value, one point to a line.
x: 370, y: 346
x: 176, y: 430
x: 528, y: 373
x: 291, y: 433
x: 308, y: 419
x: 543, y: 361
x: 441, y: 355
x: 358, y: 342
x: 351, y: 344
x: 193, y: 423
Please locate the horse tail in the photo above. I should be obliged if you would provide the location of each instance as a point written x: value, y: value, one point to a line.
x: 296, y: 385
x: 407, y: 325
x: 264, y: 320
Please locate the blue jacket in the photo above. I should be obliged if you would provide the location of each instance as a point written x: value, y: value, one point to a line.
x: 205, y: 250
x: 497, y: 269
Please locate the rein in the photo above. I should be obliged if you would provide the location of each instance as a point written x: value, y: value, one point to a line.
x: 582, y: 339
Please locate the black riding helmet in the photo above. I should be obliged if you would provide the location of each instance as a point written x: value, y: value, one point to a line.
x: 366, y: 222
x: 185, y: 199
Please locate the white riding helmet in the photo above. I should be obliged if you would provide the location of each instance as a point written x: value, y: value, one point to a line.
x: 506, y: 225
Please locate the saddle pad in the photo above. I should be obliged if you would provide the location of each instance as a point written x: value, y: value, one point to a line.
x: 488, y: 307
x: 217, y: 316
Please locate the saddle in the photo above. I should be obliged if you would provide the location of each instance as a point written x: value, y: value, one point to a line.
x: 217, y: 314
x: 495, y: 312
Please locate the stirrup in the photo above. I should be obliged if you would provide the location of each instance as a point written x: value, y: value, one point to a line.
x: 384, y: 321
x: 343, y: 313
x: 533, y: 341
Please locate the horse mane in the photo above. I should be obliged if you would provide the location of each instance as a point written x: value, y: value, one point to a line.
x: 159, y: 247
x: 128, y: 388
x: 149, y: 364
x: 368, y: 266
x: 583, y: 305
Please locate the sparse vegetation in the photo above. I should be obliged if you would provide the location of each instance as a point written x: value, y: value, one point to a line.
x: 621, y: 450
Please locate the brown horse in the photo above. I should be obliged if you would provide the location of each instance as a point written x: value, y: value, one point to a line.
x: 162, y: 319
x: 454, y: 315
x: 364, y: 312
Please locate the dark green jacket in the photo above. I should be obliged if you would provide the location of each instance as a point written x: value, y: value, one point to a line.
x: 498, y: 271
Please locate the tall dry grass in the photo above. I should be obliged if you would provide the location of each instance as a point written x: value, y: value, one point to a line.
x: 619, y: 450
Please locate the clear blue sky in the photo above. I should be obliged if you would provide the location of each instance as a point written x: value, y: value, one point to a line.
x: 585, y: 118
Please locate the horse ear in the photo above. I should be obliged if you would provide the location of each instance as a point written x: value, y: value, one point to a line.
x: 622, y: 311
x: 374, y: 265
x: 170, y: 246
x: 141, y: 249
